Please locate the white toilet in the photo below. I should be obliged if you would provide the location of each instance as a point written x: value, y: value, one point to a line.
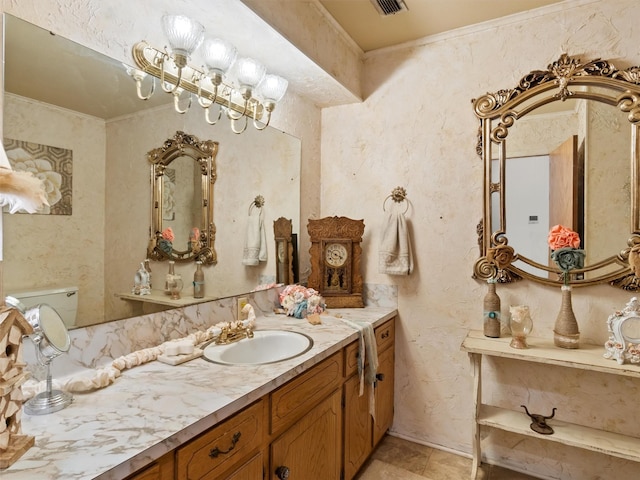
x: 63, y: 300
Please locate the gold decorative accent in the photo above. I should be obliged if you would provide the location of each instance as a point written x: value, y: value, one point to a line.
x: 398, y: 195
x: 259, y: 201
x: 149, y: 59
x: 597, y: 80
x: 204, y: 154
x: 232, y: 332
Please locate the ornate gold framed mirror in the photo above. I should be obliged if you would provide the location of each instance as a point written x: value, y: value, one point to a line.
x: 283, y: 234
x: 183, y: 172
x: 562, y: 147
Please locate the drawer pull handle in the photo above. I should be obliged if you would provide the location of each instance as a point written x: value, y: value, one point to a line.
x: 216, y: 451
x: 385, y: 335
x: 282, y: 472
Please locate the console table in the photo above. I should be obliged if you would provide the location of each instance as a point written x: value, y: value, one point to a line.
x: 542, y: 350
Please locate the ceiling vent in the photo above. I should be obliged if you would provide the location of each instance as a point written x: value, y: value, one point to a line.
x: 389, y: 7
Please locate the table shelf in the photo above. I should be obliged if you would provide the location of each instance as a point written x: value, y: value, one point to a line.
x: 579, y: 436
x: 158, y: 297
x: 543, y: 351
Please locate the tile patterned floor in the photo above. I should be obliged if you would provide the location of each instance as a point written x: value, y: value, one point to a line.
x: 400, y: 459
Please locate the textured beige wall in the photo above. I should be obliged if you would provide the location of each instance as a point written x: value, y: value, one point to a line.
x: 263, y: 163
x: 47, y: 251
x: 108, y: 29
x: 416, y: 128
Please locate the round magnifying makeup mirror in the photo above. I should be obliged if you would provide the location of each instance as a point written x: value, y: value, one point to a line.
x: 51, y: 339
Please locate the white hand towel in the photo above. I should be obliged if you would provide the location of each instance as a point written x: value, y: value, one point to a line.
x: 255, y: 245
x: 394, y: 257
x: 367, y: 360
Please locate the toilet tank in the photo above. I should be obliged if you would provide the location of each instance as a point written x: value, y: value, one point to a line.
x: 63, y: 300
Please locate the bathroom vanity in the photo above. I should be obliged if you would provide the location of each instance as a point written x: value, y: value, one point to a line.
x: 202, y: 420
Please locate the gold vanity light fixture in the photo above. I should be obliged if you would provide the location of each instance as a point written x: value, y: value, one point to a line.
x: 252, y: 92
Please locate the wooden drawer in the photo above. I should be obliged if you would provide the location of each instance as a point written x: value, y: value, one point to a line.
x: 219, y: 449
x: 251, y: 470
x: 385, y: 337
x: 294, y: 399
x: 161, y: 469
x: 351, y: 354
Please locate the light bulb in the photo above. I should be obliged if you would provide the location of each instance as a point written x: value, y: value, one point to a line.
x: 249, y: 72
x: 184, y: 36
x: 218, y: 55
x: 272, y: 88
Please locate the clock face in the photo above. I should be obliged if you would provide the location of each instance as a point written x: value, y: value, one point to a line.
x: 336, y: 254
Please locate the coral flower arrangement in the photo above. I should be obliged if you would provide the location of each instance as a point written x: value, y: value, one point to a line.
x: 299, y: 301
x: 565, y: 250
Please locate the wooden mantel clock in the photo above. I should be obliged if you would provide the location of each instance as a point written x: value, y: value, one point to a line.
x: 335, y: 260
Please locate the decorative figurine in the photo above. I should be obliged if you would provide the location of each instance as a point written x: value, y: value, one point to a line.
x: 539, y: 423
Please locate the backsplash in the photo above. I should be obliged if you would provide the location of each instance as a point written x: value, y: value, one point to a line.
x: 97, y: 345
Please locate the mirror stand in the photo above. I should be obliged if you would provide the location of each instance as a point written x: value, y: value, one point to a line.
x: 50, y: 400
x: 51, y: 339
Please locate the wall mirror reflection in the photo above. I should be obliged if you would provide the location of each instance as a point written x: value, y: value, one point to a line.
x: 183, y: 174
x: 561, y: 148
x: 286, y: 261
x: 59, y: 94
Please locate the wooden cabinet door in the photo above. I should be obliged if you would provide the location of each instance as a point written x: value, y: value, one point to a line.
x: 384, y: 395
x: 310, y: 448
x: 357, y: 427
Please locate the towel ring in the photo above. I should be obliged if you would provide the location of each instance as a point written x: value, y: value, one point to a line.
x: 399, y: 195
x: 258, y: 202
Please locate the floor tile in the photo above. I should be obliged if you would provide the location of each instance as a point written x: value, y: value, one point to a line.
x: 402, y: 453
x: 378, y: 470
x: 396, y: 458
x: 447, y: 466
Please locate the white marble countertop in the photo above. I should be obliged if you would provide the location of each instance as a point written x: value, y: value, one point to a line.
x: 153, y: 408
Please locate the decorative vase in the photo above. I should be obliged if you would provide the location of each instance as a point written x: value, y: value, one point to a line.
x: 491, y: 321
x: 521, y: 325
x: 565, y: 332
x: 175, y: 286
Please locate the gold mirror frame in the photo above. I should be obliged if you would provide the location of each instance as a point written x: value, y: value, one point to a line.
x: 204, y: 154
x: 565, y: 78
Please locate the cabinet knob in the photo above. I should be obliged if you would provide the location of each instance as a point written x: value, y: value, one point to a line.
x: 282, y: 472
x: 380, y: 376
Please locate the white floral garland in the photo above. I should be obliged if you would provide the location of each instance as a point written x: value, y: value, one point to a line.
x: 107, y: 375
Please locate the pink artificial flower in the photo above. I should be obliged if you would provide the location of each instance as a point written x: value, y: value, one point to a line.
x: 563, y: 237
x: 167, y: 234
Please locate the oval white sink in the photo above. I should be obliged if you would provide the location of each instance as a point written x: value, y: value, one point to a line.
x: 266, y: 346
